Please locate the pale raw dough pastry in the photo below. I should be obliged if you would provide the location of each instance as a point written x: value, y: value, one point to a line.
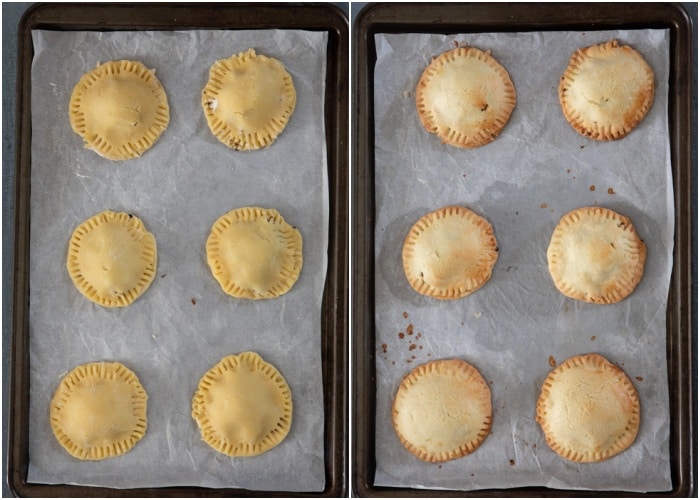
x: 254, y: 254
x: 449, y: 253
x: 465, y: 97
x: 119, y: 109
x: 442, y: 410
x: 243, y: 406
x: 595, y: 255
x: 606, y: 90
x: 112, y: 258
x: 589, y: 409
x: 99, y: 411
x: 248, y: 100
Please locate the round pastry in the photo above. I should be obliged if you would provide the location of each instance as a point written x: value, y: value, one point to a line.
x: 442, y: 410
x: 99, y: 411
x: 465, y: 97
x: 606, y: 90
x: 588, y: 409
x: 449, y: 253
x: 119, y: 109
x: 254, y: 254
x: 243, y: 406
x: 112, y: 258
x: 248, y: 100
x: 595, y: 255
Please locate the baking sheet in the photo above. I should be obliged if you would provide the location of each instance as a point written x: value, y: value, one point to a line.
x: 537, y: 170
x: 183, y: 324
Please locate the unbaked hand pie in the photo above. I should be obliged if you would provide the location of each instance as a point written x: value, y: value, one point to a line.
x: 119, y: 109
x: 254, y: 254
x: 442, y: 410
x: 248, y: 100
x: 589, y: 409
x: 449, y: 253
x: 112, y: 258
x: 243, y: 406
x: 99, y: 411
x: 606, y: 90
x: 465, y: 97
x: 595, y: 255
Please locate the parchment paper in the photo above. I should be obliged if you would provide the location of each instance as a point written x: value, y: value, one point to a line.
x: 537, y: 170
x: 184, y: 323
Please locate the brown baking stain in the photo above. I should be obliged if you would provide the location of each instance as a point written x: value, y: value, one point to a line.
x: 592, y: 337
x: 384, y: 346
x: 552, y: 361
x: 611, y: 191
x: 512, y: 462
x: 401, y: 335
x: 412, y: 347
x: 544, y: 205
x: 405, y: 314
x: 409, y: 329
x: 194, y: 301
x: 592, y: 188
x: 641, y: 379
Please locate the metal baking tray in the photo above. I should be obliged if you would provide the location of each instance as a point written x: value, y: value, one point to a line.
x: 334, y: 320
x: 446, y: 18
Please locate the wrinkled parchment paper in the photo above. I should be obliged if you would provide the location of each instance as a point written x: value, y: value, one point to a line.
x: 537, y: 170
x: 184, y: 323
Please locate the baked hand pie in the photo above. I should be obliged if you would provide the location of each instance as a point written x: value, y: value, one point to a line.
x: 112, y: 258
x: 449, y: 253
x: 248, y: 100
x: 120, y: 109
x: 254, y: 253
x: 243, y: 406
x: 465, y: 97
x: 442, y: 410
x: 588, y: 409
x: 606, y: 90
x: 99, y: 411
x: 595, y: 255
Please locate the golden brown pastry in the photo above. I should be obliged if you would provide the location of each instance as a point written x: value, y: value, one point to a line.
x: 449, y: 253
x: 248, y: 100
x: 465, y: 97
x: 243, y: 406
x: 589, y: 409
x: 119, y: 109
x: 606, y: 90
x: 595, y: 255
x: 442, y: 410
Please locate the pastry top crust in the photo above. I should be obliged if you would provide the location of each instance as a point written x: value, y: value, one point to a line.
x: 254, y: 254
x: 112, y: 258
x: 606, y: 90
x: 589, y: 409
x: 99, y: 411
x: 243, y: 406
x: 449, y: 253
x: 595, y: 255
x: 248, y: 100
x: 442, y: 410
x: 465, y: 97
x: 119, y: 109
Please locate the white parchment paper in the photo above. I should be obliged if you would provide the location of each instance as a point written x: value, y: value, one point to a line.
x: 184, y: 323
x: 537, y: 170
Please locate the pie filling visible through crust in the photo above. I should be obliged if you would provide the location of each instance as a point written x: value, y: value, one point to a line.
x: 442, y: 410
x: 120, y: 109
x: 248, y: 100
x: 243, y: 406
x: 112, y: 258
x: 99, y: 411
x: 254, y: 254
x: 588, y: 409
x: 595, y: 255
x: 449, y: 253
x: 606, y: 90
x: 465, y: 97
